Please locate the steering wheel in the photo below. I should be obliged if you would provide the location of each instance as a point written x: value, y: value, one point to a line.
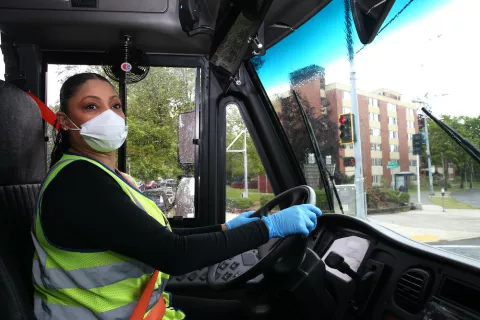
x: 278, y: 255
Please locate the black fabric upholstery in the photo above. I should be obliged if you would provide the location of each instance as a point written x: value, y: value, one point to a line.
x: 22, y: 169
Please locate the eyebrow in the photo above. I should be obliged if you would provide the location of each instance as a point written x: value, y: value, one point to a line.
x: 98, y: 98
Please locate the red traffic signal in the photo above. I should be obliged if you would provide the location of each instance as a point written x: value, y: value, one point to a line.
x: 349, y: 162
x: 346, y: 128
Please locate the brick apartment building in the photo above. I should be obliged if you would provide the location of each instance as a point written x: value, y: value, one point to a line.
x: 386, y: 123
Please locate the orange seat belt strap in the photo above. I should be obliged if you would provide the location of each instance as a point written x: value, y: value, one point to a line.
x: 158, y: 311
x: 47, y: 114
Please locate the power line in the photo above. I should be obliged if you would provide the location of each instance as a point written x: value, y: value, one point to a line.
x: 389, y: 22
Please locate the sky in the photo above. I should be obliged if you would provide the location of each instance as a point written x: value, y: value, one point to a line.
x: 429, y: 48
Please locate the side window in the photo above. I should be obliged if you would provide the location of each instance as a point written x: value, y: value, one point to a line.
x: 159, y: 108
x: 247, y: 185
x: 154, y: 108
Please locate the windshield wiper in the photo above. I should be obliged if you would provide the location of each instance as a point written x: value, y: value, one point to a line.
x: 325, y: 175
x: 466, y: 145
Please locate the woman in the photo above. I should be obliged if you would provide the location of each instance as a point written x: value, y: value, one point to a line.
x: 98, y: 239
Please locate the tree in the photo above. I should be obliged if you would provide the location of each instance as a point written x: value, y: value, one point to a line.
x: 441, y: 145
x: 325, y: 130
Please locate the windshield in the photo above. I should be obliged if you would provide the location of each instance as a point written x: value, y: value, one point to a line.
x: 423, y: 56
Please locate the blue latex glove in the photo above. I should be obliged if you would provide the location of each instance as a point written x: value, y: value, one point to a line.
x: 242, y: 219
x: 301, y: 219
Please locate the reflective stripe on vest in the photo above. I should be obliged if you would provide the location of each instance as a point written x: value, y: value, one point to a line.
x: 91, y: 285
x: 52, y: 311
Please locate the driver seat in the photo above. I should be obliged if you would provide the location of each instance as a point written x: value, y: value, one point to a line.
x: 22, y: 169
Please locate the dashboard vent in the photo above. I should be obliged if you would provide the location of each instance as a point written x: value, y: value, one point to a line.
x: 84, y: 3
x: 411, y: 290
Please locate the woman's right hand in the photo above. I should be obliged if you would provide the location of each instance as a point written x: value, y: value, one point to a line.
x: 300, y: 219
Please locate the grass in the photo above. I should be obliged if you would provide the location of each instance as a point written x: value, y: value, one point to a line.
x: 451, y: 203
x: 237, y: 194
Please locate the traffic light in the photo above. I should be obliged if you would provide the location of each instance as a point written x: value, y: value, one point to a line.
x: 417, y: 141
x: 345, y: 122
x: 349, y: 162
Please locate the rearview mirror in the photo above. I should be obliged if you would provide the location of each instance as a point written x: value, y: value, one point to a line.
x: 369, y: 16
x: 186, y: 138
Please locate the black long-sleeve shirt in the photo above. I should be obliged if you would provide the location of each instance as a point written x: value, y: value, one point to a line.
x: 84, y: 208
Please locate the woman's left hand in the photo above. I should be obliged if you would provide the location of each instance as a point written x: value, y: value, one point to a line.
x: 242, y: 219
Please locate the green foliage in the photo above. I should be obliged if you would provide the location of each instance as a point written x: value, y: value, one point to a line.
x: 442, y: 144
x: 266, y: 198
x: 321, y: 199
x: 378, y: 197
x: 242, y: 203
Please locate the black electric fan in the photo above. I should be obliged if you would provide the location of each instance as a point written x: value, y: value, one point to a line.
x: 125, y: 64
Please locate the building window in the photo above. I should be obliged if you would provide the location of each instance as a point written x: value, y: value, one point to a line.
x: 394, y: 148
x: 346, y: 95
x: 391, y: 107
x: 410, y: 149
x: 410, y: 124
x: 375, y: 146
x: 376, y: 162
x: 409, y: 136
x: 349, y: 146
x: 347, y: 110
x: 410, y: 112
x: 373, y: 102
x: 412, y: 163
x: 377, y: 179
x: 374, y: 117
x: 393, y: 134
x: 375, y: 132
x: 392, y: 120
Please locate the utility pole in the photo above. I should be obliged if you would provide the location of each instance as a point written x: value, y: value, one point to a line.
x: 244, y: 151
x: 429, y: 158
x: 361, y: 210
x: 418, y: 179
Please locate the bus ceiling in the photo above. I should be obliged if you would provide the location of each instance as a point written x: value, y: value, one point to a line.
x: 175, y: 27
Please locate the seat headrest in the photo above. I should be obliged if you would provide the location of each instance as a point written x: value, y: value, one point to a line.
x: 22, y: 146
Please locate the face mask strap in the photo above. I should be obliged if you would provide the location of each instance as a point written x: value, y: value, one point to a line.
x: 70, y: 129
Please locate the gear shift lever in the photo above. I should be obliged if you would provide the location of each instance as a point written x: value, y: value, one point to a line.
x: 336, y: 261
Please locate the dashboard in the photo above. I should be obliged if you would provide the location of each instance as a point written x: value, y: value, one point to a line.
x: 395, y: 278
x: 399, y: 278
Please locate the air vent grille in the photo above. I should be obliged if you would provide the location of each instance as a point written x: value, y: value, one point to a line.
x: 84, y: 4
x: 411, y: 290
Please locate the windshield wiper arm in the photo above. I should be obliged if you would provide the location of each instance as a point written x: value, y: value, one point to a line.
x: 466, y: 145
x: 324, y: 173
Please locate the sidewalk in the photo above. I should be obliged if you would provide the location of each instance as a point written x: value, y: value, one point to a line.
x: 432, y: 224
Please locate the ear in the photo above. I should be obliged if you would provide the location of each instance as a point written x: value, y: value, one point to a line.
x: 63, y: 120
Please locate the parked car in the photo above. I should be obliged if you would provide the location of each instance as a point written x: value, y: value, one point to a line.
x: 151, y: 185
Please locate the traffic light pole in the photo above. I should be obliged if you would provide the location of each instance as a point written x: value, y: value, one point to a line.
x: 418, y: 180
x: 429, y: 158
x: 361, y: 210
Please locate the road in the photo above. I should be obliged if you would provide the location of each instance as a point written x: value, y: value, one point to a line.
x: 471, y: 197
x: 456, y: 230
x: 466, y: 247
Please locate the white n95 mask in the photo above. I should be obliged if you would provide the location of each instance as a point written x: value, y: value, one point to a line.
x: 104, y: 133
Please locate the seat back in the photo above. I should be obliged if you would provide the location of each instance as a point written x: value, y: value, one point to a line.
x: 22, y: 169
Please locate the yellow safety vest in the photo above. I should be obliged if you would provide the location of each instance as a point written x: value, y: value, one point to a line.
x: 92, y: 285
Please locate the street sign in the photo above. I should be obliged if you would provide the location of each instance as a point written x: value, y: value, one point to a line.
x: 328, y: 160
x: 392, y: 164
